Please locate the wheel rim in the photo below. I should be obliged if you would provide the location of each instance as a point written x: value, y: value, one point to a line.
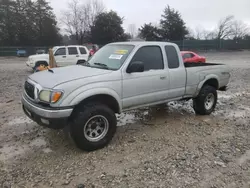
x: 96, y: 128
x: 209, y: 101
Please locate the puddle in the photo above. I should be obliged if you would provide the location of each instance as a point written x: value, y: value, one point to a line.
x: 47, y: 150
x: 160, y: 112
x: 228, y: 96
x: 224, y: 96
x: 241, y: 112
x: 20, y: 120
x: 9, y: 152
x: 181, y: 106
x: 39, y: 142
x: 126, y: 118
x: 244, y: 158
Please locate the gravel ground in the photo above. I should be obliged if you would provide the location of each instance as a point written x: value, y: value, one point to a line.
x: 165, y: 146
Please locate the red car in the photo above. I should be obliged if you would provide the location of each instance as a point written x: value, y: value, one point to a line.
x: 191, y: 57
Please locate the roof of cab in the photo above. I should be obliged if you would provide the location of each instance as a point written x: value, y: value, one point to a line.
x: 137, y: 43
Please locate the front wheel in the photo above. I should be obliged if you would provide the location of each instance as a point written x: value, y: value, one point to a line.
x: 93, y: 126
x: 205, y: 102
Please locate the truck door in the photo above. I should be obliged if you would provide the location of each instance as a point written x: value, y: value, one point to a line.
x: 60, y: 56
x: 83, y: 53
x: 149, y: 86
x: 73, y: 56
x: 177, y: 73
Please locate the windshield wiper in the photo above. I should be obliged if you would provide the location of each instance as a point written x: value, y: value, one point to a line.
x: 102, y: 65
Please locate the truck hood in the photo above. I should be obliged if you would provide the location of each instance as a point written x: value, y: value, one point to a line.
x: 39, y: 56
x: 62, y: 75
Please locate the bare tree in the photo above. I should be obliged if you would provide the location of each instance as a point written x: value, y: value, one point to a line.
x: 91, y: 9
x: 224, y: 29
x: 207, y: 34
x: 210, y: 35
x: 132, y: 30
x: 79, y: 18
x: 191, y: 34
x: 198, y: 33
x: 239, y: 29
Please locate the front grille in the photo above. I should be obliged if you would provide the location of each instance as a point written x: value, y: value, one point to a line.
x: 29, y: 88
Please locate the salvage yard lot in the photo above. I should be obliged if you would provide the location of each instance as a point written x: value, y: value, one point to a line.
x: 163, y: 146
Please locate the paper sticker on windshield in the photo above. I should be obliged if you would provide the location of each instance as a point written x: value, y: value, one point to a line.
x: 114, y: 56
x: 121, y: 52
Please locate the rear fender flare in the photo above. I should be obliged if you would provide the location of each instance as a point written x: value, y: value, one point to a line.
x: 204, y: 79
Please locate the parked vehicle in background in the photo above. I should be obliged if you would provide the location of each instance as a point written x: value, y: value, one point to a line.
x: 90, y: 46
x: 21, y: 53
x: 119, y: 77
x: 40, y: 51
x: 92, y: 51
x: 64, y: 56
x: 191, y: 57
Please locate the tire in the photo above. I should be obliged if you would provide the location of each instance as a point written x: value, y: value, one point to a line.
x: 79, y: 62
x: 82, y: 126
x: 205, y: 102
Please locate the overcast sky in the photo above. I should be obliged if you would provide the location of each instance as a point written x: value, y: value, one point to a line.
x: 205, y: 13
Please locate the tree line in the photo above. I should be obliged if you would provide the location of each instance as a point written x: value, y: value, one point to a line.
x: 173, y: 28
x: 33, y: 23
x: 28, y: 23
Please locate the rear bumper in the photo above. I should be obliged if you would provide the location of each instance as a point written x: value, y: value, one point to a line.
x: 48, y: 117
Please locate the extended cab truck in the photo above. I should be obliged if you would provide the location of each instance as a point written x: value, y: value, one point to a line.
x: 64, y: 56
x: 119, y: 77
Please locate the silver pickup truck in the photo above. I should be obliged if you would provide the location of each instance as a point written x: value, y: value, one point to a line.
x: 119, y: 77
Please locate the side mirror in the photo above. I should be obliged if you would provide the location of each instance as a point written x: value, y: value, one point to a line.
x: 136, y: 66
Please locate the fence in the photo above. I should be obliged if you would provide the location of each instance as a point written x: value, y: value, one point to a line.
x: 213, y: 44
x: 12, y: 51
x: 183, y: 45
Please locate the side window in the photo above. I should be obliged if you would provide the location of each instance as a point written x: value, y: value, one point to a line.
x: 83, y: 50
x: 185, y: 56
x: 191, y: 55
x: 72, y: 51
x: 172, y: 56
x: 60, y: 51
x: 151, y: 56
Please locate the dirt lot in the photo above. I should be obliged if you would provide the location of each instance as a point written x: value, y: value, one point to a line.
x: 153, y: 147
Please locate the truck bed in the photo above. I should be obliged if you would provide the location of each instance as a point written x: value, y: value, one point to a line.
x: 188, y: 65
x: 196, y: 72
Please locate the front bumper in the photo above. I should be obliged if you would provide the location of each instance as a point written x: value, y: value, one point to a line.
x: 55, y: 118
x: 30, y: 64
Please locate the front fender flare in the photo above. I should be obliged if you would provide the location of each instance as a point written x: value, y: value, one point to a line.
x: 96, y: 91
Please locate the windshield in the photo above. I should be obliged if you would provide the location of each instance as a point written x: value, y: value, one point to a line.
x: 111, y: 56
x: 54, y: 49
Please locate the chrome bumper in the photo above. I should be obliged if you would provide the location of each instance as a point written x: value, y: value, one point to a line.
x: 46, y: 113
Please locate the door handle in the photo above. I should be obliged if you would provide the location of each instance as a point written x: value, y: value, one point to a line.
x: 163, y: 77
x: 64, y: 56
x: 77, y: 55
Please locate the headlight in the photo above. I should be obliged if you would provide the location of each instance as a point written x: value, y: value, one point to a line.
x: 50, y: 96
x: 44, y: 95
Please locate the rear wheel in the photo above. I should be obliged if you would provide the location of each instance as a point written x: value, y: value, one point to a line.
x: 205, y: 102
x: 93, y: 126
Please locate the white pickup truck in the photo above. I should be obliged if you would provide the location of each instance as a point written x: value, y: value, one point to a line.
x: 119, y: 77
x: 64, y: 56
